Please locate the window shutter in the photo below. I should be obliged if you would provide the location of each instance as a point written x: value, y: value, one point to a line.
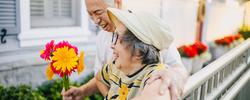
x: 52, y: 13
x: 62, y: 8
x: 66, y: 8
x: 37, y: 7
x: 9, y: 16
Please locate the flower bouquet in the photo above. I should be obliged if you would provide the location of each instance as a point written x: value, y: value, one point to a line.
x: 63, y: 60
x: 203, y: 56
x: 187, y: 54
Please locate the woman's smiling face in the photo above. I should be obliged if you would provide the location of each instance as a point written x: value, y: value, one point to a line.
x: 121, y: 50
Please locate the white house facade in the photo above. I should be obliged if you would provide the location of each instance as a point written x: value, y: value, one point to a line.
x: 30, y: 24
x: 27, y: 25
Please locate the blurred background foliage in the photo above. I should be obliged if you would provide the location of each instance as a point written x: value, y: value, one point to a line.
x: 50, y: 90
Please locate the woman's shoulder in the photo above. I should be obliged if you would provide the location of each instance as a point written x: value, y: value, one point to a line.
x: 109, y: 67
x: 151, y: 68
x: 157, y: 66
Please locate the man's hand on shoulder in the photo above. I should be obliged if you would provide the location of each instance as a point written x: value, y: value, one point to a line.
x: 173, y: 79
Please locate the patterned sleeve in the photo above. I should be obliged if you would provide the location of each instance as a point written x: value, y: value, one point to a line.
x: 104, y: 74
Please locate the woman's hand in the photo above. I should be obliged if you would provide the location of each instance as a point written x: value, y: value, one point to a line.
x: 74, y: 93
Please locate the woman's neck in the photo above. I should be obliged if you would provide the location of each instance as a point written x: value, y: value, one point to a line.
x: 131, y: 68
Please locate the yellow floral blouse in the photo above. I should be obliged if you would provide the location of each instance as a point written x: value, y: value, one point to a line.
x: 123, y: 87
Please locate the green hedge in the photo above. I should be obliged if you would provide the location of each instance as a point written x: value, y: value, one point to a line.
x: 22, y: 92
x: 50, y: 90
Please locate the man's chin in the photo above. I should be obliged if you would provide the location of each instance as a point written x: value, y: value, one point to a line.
x: 108, y: 29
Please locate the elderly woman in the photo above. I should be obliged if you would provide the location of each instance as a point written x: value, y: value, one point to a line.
x: 136, y: 43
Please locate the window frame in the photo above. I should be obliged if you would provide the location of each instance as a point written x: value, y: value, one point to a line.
x: 49, y: 21
x: 39, y: 36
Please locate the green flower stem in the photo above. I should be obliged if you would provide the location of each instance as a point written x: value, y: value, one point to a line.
x: 66, y: 82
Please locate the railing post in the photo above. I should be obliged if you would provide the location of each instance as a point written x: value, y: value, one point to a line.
x: 216, y: 80
x: 221, y: 75
x: 204, y: 90
x: 197, y: 94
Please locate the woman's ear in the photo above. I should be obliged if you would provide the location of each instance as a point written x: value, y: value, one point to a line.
x: 137, y: 56
x: 118, y: 4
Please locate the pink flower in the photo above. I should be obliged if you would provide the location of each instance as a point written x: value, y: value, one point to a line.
x: 66, y: 43
x: 49, y: 48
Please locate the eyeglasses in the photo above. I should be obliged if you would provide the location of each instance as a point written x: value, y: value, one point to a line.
x: 114, y: 37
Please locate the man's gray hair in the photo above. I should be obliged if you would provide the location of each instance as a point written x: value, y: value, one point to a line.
x: 110, y: 3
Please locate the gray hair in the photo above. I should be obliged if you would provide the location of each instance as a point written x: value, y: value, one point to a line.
x: 110, y: 3
x: 148, y: 53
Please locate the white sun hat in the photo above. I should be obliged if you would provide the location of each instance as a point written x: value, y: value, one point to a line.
x: 145, y: 26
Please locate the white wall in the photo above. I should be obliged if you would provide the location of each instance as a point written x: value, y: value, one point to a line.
x: 221, y: 19
x: 152, y: 6
x: 247, y: 12
x: 181, y: 16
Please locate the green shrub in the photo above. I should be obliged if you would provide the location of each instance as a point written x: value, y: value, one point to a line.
x: 96, y: 96
x: 50, y: 90
x: 22, y: 92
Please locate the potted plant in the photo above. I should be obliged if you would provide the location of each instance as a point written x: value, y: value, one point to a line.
x: 223, y: 45
x: 187, y: 55
x: 245, y: 31
x: 203, y: 56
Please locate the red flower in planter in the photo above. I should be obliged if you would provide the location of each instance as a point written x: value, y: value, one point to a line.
x: 200, y: 47
x: 219, y: 41
x: 187, y: 51
x: 226, y: 41
x: 229, y: 39
x: 237, y: 36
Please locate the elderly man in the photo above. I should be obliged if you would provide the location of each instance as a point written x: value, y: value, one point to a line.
x: 174, y: 77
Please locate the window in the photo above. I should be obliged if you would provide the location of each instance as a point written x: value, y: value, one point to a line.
x: 53, y: 13
x: 9, y: 16
x: 45, y: 20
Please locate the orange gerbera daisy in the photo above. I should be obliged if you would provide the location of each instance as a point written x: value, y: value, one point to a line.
x: 49, y: 72
x: 80, y: 67
x: 65, y: 60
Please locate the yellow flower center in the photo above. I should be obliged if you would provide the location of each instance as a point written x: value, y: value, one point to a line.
x: 65, y: 59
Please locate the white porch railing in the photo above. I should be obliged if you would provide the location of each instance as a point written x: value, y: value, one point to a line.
x: 215, y: 80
